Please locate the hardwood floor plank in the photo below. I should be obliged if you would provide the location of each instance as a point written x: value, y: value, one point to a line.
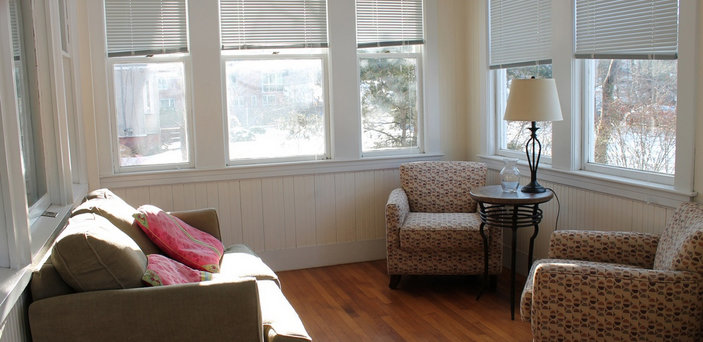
x: 353, y: 303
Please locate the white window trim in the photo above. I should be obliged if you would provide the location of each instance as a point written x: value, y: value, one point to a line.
x: 568, y: 152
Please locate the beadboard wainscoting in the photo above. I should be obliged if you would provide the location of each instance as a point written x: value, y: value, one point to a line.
x: 291, y: 221
x: 15, y: 328
x: 582, y: 209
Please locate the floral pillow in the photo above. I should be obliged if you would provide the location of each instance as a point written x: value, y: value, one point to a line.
x: 161, y: 270
x: 179, y: 240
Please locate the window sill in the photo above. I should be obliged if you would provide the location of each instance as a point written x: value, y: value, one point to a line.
x: 648, y: 192
x: 261, y: 170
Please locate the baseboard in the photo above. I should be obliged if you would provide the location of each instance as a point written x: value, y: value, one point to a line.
x: 317, y: 256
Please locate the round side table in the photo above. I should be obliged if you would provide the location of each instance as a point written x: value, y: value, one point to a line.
x: 510, y: 210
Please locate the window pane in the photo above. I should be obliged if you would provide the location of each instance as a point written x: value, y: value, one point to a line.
x: 634, y: 114
x: 30, y: 131
x: 150, y: 107
x: 388, y: 103
x: 516, y: 133
x: 275, y: 108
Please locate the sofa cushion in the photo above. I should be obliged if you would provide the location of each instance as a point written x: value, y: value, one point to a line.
x: 161, y: 270
x: 240, y: 261
x: 47, y: 282
x: 120, y: 214
x: 281, y: 322
x: 92, y: 254
x: 432, y: 232
x: 681, y: 244
x: 179, y: 240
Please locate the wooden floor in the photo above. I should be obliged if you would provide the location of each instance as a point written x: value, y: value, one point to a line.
x: 353, y: 303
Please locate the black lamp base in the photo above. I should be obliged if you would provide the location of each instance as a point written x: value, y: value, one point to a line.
x: 533, y: 188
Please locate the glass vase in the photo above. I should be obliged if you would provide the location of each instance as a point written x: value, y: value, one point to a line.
x: 510, y: 175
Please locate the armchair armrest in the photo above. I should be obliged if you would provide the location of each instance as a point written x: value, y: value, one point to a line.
x: 631, y: 248
x: 206, y: 311
x: 397, y: 208
x: 203, y: 219
x: 596, y: 301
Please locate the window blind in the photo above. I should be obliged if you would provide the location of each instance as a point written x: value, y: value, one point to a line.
x: 14, y: 15
x: 520, y: 33
x: 263, y: 24
x: 633, y: 29
x: 388, y: 22
x: 145, y: 27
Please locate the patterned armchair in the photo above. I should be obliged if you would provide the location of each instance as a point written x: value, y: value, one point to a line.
x: 432, y: 226
x: 621, y: 286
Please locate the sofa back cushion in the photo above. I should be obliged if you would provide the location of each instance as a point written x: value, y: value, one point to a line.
x: 681, y: 244
x: 47, y: 282
x: 92, y: 254
x: 442, y: 186
x: 106, y: 204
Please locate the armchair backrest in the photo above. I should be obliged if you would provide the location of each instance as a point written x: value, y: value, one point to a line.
x: 442, y: 186
x: 681, y: 244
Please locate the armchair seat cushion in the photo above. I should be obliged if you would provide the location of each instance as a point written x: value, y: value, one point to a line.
x: 432, y: 232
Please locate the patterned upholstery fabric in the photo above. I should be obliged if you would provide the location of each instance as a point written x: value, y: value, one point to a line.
x: 578, y: 299
x: 430, y: 232
x: 682, y: 238
x: 441, y: 186
x: 629, y: 248
x: 445, y: 239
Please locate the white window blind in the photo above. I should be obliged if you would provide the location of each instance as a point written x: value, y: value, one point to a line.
x: 388, y: 22
x: 264, y: 24
x: 520, y: 33
x: 145, y: 27
x: 14, y: 15
x: 633, y: 29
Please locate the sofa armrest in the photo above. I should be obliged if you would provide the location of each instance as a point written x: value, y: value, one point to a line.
x: 397, y: 208
x: 206, y: 311
x: 631, y: 248
x: 203, y: 219
x: 597, y: 301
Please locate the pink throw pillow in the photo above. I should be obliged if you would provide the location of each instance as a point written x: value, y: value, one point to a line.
x: 179, y: 240
x: 161, y: 270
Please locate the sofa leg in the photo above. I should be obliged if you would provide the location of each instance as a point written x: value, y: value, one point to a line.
x: 395, y: 279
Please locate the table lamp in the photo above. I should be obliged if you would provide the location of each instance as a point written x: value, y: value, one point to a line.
x: 533, y: 100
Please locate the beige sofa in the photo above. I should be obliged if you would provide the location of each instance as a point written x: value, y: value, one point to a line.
x: 242, y: 303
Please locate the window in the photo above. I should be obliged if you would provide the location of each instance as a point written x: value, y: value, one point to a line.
x: 618, y: 72
x: 390, y: 38
x: 276, y: 51
x: 631, y: 84
x: 519, y: 49
x: 29, y: 119
x: 147, y: 59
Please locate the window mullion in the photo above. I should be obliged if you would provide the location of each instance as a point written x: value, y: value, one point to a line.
x: 344, y: 105
x: 566, y: 137
x: 206, y: 85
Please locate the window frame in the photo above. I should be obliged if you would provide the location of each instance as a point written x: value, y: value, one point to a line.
x: 569, y: 149
x: 209, y: 135
x: 187, y: 117
x: 227, y: 56
x: 420, y: 148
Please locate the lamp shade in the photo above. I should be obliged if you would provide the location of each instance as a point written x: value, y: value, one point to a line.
x: 533, y: 100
